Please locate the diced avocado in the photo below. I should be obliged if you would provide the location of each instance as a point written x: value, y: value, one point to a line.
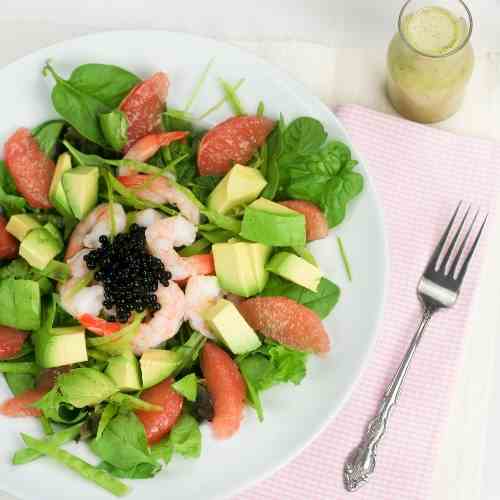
x: 52, y: 229
x: 20, y: 225
x: 260, y: 254
x: 157, y: 365
x: 123, y: 370
x: 20, y: 304
x: 240, y: 267
x: 293, y: 268
x: 60, y: 346
x: 272, y: 224
x: 81, y: 185
x: 39, y: 248
x: 240, y: 186
x: 229, y: 326
x: 57, y: 195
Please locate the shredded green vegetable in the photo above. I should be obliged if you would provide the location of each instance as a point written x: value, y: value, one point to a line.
x: 18, y: 367
x: 221, y: 102
x: 345, y: 260
x: 199, y: 85
x: 232, y: 98
x: 84, y: 469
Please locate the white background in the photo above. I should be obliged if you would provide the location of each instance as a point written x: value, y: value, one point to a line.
x: 354, y: 34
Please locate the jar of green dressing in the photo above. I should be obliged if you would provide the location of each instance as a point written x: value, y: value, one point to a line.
x: 430, y: 60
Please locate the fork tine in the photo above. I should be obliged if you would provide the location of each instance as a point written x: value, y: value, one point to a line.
x: 446, y: 258
x: 454, y: 264
x: 463, y: 270
x: 431, y: 266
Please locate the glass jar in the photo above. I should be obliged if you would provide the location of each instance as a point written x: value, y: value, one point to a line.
x: 430, y: 60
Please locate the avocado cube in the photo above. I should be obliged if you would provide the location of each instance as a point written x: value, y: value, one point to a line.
x: 57, y: 195
x: 39, y: 248
x: 240, y: 186
x: 236, y: 269
x: 60, y: 346
x: 20, y: 304
x: 272, y: 224
x: 229, y: 326
x: 295, y: 269
x: 123, y: 370
x: 80, y: 185
x: 157, y: 365
x: 21, y: 224
x: 52, y: 229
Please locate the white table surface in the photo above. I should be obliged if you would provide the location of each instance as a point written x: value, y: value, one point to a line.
x: 337, y: 48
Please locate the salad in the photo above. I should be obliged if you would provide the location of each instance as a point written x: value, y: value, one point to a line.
x: 155, y: 275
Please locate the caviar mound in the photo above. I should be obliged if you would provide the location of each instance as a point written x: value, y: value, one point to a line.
x: 286, y: 321
x: 129, y: 274
x: 158, y: 423
x: 233, y: 141
x: 226, y: 387
x: 316, y: 223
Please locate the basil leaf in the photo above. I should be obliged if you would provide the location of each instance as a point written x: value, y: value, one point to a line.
x: 321, y: 302
x: 107, y: 83
x: 47, y: 135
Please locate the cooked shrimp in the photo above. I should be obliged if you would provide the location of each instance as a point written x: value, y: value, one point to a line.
x: 77, y: 264
x: 161, y: 190
x: 201, y: 293
x: 148, y: 217
x: 87, y: 232
x: 163, y: 236
x: 88, y: 300
x: 166, y: 322
x: 147, y: 147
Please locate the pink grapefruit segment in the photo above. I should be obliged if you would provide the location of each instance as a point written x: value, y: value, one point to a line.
x: 286, y: 321
x: 11, y: 341
x: 21, y: 405
x: 232, y: 141
x: 143, y: 107
x: 316, y: 223
x: 158, y: 423
x: 9, y: 246
x: 30, y: 168
x: 227, y: 388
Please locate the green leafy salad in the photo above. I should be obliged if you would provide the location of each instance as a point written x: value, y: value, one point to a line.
x: 155, y: 274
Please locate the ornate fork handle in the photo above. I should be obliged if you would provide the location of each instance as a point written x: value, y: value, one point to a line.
x: 360, y: 464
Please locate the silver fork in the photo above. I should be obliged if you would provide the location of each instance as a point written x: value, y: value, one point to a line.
x: 438, y: 288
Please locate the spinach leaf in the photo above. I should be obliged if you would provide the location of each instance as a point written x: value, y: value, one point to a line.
x: 124, y: 444
x: 55, y: 408
x: 303, y: 136
x: 12, y: 204
x: 321, y: 302
x: 88, y: 160
x: 114, y: 126
x: 185, y: 437
x: 6, y: 180
x: 202, y: 186
x: 47, y: 135
x: 163, y: 450
x: 271, y: 168
x: 189, y: 352
x: 139, y: 471
x: 107, y: 83
x: 270, y: 364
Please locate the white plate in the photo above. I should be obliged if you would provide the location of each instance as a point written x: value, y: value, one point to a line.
x: 293, y: 415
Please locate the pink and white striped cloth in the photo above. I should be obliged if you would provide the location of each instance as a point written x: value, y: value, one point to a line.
x: 420, y: 174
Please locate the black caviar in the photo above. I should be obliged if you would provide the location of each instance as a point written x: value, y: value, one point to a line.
x: 129, y: 274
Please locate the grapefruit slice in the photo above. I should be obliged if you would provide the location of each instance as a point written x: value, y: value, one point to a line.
x: 11, y: 341
x: 30, y: 168
x: 316, y: 223
x: 8, y: 244
x: 202, y: 263
x: 147, y: 146
x: 233, y: 141
x: 286, y: 321
x: 143, y: 107
x: 159, y: 423
x: 47, y: 378
x: 21, y: 405
x: 227, y: 388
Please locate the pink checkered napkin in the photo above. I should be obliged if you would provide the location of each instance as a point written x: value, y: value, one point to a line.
x: 420, y: 173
